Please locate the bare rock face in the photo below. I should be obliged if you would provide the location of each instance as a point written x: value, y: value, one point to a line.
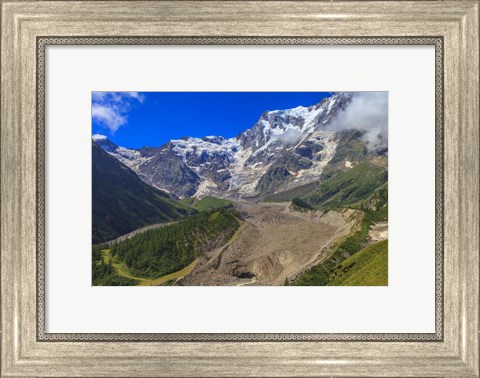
x: 164, y: 169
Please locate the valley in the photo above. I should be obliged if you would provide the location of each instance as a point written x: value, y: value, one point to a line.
x: 300, y: 198
x: 274, y: 245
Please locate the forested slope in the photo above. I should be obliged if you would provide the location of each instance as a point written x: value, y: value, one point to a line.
x: 157, y: 252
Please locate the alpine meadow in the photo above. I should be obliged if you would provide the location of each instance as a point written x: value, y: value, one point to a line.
x: 239, y: 188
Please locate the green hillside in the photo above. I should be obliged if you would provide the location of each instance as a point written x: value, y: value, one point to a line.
x: 157, y: 252
x: 121, y: 202
x: 348, y: 187
x: 320, y: 274
x: 209, y: 203
x: 363, y: 188
x: 189, y: 201
x: 289, y: 195
x: 368, y: 267
x: 376, y: 205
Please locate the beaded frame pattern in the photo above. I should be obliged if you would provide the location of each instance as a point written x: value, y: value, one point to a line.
x: 437, y: 42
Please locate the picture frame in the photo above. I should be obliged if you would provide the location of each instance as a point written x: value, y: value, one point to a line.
x: 452, y: 26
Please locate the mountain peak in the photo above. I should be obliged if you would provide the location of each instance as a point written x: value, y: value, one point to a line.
x: 105, y: 143
x: 283, y: 149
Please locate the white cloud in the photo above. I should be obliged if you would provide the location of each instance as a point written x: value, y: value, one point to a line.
x: 367, y: 112
x: 96, y: 137
x: 110, y: 117
x: 110, y: 109
x: 136, y: 95
x: 290, y: 136
x: 98, y: 96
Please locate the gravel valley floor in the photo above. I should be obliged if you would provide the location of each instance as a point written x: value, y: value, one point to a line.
x: 273, y: 244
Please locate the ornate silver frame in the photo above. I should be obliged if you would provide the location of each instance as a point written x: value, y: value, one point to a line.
x: 42, y: 42
x: 452, y: 26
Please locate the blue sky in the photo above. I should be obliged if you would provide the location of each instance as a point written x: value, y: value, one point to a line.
x: 137, y: 119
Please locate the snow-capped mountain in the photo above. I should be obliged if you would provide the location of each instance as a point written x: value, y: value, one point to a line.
x: 284, y: 149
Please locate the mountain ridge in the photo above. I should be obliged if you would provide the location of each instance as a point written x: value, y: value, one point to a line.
x: 282, y: 150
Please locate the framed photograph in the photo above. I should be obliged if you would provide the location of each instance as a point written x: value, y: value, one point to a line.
x: 240, y: 188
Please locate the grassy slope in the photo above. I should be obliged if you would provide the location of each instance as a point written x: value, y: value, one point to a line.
x: 320, y: 274
x: 123, y: 273
x: 209, y: 203
x: 363, y: 188
x: 288, y: 195
x: 189, y: 201
x: 349, y: 187
x: 376, y: 206
x: 122, y: 202
x: 368, y: 267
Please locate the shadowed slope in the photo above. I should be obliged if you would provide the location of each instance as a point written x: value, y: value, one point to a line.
x: 122, y: 202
